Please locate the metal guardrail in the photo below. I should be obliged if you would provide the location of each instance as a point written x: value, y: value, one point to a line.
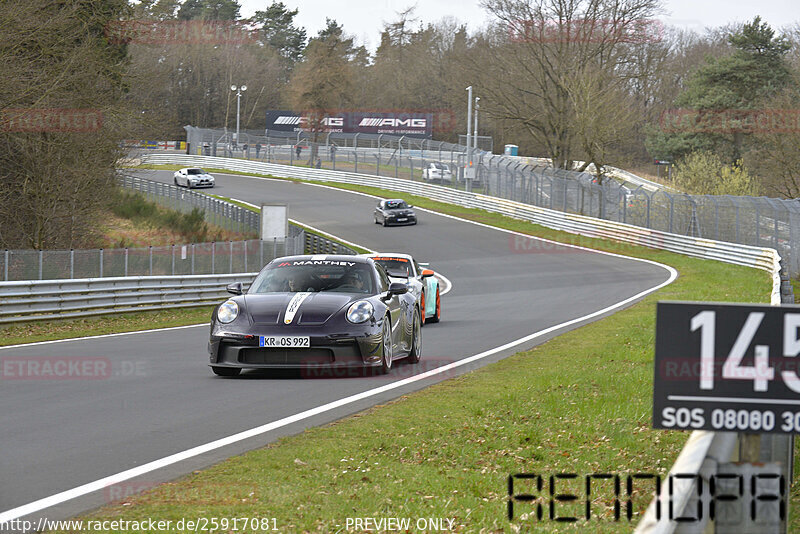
x: 316, y: 244
x: 763, y: 258
x: 218, y: 212
x: 39, y: 300
x: 704, y: 451
x: 755, y: 221
x: 45, y: 300
x: 61, y: 299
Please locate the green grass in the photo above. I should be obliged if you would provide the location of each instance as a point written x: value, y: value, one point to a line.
x: 32, y: 332
x: 580, y: 403
x: 134, y: 206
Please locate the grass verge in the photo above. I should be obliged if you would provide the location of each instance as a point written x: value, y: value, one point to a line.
x: 580, y: 403
x: 108, y: 324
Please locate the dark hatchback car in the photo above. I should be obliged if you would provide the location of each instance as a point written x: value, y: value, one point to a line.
x: 316, y: 311
x: 394, y: 211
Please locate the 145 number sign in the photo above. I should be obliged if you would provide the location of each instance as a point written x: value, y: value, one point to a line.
x: 727, y: 367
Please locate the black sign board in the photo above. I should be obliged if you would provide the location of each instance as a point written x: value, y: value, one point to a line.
x: 727, y: 367
x: 662, y: 162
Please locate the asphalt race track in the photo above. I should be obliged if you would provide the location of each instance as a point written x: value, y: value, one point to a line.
x: 157, y: 397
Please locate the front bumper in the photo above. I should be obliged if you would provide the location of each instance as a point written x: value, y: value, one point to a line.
x: 410, y: 219
x: 361, y: 347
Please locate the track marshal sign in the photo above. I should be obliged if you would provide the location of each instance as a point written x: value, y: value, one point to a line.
x: 727, y: 367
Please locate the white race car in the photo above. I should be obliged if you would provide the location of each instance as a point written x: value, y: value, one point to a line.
x: 193, y: 177
x: 437, y: 171
x: 421, y: 281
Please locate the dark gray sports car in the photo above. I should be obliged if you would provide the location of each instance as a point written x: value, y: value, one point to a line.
x: 394, y: 211
x: 316, y: 311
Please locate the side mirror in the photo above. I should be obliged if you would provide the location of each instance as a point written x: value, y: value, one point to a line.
x: 427, y: 273
x: 395, y: 288
x: 234, y: 288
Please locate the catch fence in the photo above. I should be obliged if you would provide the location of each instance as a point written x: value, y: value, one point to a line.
x: 220, y: 257
x: 753, y: 221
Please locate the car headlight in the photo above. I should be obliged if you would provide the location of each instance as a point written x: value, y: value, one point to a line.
x: 360, y: 311
x: 227, y: 312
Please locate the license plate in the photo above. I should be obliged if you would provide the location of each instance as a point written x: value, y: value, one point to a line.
x: 402, y: 219
x: 284, y: 341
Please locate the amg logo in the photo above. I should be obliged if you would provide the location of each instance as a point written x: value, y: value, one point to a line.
x: 295, y: 119
x: 397, y: 123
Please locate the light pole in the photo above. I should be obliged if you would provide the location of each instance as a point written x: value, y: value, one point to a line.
x: 239, y: 90
x: 469, y: 125
x: 475, y: 140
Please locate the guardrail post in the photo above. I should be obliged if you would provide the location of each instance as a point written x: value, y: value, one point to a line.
x: 230, y: 256
x: 245, y: 254
x: 173, y: 259
x: 41, y: 254
x: 126, y: 261
x: 101, y: 263
x: 5, y: 267
x: 151, y: 260
x: 71, y: 265
x: 275, y: 249
x: 213, y: 255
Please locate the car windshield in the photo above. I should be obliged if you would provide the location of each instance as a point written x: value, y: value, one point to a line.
x: 315, y: 276
x: 440, y: 166
x: 396, y: 205
x: 393, y: 265
x: 195, y: 171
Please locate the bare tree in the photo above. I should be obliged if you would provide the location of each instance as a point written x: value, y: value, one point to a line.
x: 539, y: 47
x: 62, y: 119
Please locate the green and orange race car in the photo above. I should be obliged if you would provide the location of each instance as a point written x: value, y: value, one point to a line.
x: 422, y: 282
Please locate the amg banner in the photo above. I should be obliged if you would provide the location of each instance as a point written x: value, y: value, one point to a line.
x: 368, y: 122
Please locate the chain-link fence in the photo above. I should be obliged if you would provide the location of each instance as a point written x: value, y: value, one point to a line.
x: 756, y: 221
x: 221, y: 257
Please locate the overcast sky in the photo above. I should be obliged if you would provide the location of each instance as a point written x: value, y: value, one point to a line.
x: 364, y: 19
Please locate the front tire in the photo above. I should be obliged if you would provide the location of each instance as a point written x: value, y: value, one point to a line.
x: 415, y: 353
x: 226, y: 371
x: 386, y: 357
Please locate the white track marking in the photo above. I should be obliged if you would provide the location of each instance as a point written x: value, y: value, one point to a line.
x: 98, y: 485
x: 36, y: 343
x: 443, y: 280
